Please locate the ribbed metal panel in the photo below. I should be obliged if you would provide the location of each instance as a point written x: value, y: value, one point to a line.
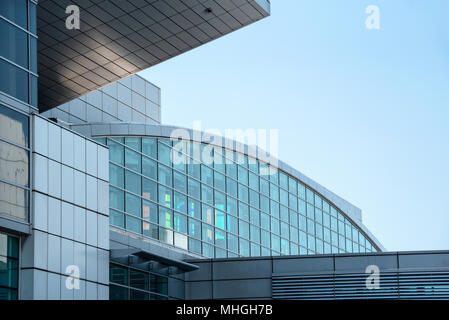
x: 394, y: 285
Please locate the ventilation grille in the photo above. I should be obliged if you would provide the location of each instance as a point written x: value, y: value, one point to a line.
x: 416, y: 285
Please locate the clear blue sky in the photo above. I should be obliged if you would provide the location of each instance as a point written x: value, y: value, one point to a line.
x: 363, y: 112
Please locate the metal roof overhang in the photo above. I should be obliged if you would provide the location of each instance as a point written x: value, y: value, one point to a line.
x: 118, y: 38
x: 149, y: 256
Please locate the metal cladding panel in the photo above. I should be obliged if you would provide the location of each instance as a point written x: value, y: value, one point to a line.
x: 118, y: 38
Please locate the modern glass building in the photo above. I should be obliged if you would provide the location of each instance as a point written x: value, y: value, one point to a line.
x: 99, y: 200
x: 231, y: 206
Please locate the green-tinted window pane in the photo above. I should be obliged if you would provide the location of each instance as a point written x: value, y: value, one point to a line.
x: 180, y: 202
x: 254, y: 216
x: 254, y: 199
x: 149, y: 147
x: 231, y: 187
x: 208, y: 233
x: 275, y: 242
x: 195, y: 245
x: 207, y: 214
x: 116, y: 152
x: 244, y: 229
x: 231, y: 170
x: 165, y: 196
x: 116, y: 176
x: 265, y: 187
x: 220, y: 219
x: 231, y: 206
x: 310, y: 196
x: 220, y: 200
x: 164, y: 153
x: 133, y: 142
x: 151, y: 230
x: 194, y: 208
x: 149, y: 168
x: 165, y: 217
x: 194, y: 169
x: 275, y: 226
x: 139, y: 279
x: 165, y: 175
x: 180, y: 223
x: 265, y: 221
x: 244, y: 247
x: 158, y: 284
x: 232, y: 224
x: 274, y: 208
x: 243, y: 192
x: 133, y: 205
x: 194, y: 188
x: 292, y: 186
x: 149, y: 211
x: 133, y: 160
x: 133, y: 224
x: 233, y: 243
x: 133, y: 182
x: 118, y: 274
x: 243, y: 211
x: 149, y: 189
x: 265, y: 238
x: 195, y: 228
x: 116, y: 199
x: 284, y: 214
x: 207, y: 175
x: 220, y: 238
x: 116, y: 218
x: 255, y: 234
x: 207, y: 194
x: 220, y: 181
x: 274, y: 192
x: 283, y: 180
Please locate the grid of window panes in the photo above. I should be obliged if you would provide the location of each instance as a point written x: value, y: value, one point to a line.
x: 226, y: 209
x: 14, y: 164
x: 18, y: 51
x: 9, y: 267
x: 126, y: 283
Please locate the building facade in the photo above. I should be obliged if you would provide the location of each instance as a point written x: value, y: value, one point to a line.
x: 99, y: 200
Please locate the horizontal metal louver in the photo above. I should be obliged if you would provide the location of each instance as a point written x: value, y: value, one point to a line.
x: 394, y: 285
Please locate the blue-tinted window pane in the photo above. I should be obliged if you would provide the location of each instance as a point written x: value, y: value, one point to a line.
x: 13, y: 81
x: 133, y: 142
x: 220, y: 219
x: 231, y: 206
x: 17, y: 124
x: 15, y: 10
x: 32, y: 19
x: 33, y: 91
x: 208, y: 233
x: 220, y: 181
x: 232, y: 224
x: 231, y: 187
x: 233, y: 243
x: 207, y: 194
x: 14, y: 44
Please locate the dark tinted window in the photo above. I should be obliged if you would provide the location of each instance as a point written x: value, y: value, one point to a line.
x: 14, y: 44
x: 13, y: 126
x: 15, y: 10
x: 13, y: 81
